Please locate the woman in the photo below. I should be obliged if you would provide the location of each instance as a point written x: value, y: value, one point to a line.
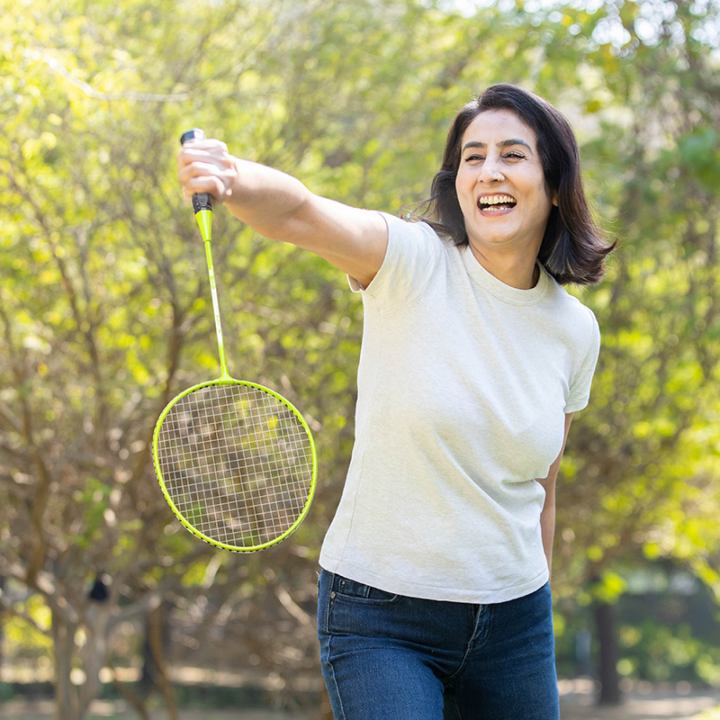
x: 434, y: 596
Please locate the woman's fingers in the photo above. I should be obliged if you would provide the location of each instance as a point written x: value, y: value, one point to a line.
x: 206, y: 166
x: 210, y: 185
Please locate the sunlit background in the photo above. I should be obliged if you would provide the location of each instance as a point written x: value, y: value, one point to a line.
x: 104, y: 316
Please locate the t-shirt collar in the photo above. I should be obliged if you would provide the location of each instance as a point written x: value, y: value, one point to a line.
x: 489, y: 282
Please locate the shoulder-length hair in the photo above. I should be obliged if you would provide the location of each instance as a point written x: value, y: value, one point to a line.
x: 573, y: 249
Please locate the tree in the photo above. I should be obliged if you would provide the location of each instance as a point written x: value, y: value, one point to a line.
x: 104, y: 313
x: 639, y: 480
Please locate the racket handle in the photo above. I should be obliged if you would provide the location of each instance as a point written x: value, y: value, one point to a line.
x: 200, y: 201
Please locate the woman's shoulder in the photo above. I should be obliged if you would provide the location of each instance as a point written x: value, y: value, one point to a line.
x: 414, y: 252
x: 570, y: 309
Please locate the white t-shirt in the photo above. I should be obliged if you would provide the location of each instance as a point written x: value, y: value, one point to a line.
x: 463, y: 385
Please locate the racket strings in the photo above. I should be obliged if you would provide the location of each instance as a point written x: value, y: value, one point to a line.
x: 237, y: 463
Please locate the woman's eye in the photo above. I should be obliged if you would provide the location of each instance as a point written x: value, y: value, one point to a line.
x: 472, y: 158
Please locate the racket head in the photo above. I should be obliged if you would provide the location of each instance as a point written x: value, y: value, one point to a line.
x: 236, y: 463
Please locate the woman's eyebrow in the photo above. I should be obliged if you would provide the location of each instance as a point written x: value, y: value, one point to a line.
x: 502, y: 143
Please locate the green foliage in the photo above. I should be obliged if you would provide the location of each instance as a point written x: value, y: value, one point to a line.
x: 610, y: 588
x: 646, y: 453
x: 659, y: 653
x: 104, y: 313
x: 700, y: 152
x: 30, y: 638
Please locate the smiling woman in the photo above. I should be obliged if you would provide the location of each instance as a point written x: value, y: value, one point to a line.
x: 433, y: 597
x: 503, y: 179
x: 509, y: 140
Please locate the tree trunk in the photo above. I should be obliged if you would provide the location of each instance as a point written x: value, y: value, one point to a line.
x: 2, y: 632
x: 73, y: 699
x: 157, y: 642
x: 608, y: 678
x: 157, y: 630
x: 66, y: 696
x: 93, y: 654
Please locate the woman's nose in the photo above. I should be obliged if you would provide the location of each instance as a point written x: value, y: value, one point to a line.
x: 490, y: 171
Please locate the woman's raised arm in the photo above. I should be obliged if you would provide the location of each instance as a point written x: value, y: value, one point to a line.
x: 280, y: 207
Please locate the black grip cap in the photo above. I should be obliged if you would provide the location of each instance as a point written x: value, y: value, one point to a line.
x: 200, y: 201
x: 194, y: 134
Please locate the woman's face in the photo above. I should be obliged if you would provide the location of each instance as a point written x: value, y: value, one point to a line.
x: 500, y: 164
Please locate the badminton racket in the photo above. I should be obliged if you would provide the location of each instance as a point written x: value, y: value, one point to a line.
x: 235, y: 460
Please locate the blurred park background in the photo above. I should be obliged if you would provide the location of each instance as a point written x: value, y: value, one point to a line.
x: 104, y: 316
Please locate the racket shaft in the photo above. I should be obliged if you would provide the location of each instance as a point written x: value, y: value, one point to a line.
x: 216, y: 309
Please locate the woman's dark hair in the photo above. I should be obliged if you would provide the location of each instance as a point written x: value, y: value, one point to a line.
x: 572, y: 250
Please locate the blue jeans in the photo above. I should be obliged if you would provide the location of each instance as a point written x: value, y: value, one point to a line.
x: 391, y: 657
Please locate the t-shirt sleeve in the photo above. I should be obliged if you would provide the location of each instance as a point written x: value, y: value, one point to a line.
x: 580, y: 383
x: 413, y: 253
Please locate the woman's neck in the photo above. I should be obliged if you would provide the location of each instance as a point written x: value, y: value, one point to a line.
x: 516, y: 270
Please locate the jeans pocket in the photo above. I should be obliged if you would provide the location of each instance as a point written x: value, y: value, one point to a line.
x: 354, y: 591
x: 358, y: 609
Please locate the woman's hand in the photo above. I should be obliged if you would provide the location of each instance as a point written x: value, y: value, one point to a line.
x: 206, y: 166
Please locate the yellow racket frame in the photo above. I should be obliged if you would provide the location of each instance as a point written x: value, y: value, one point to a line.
x: 188, y: 525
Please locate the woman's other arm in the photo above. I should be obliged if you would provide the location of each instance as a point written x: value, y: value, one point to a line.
x: 547, y: 517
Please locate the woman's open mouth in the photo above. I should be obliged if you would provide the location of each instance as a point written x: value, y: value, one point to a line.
x: 494, y: 205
